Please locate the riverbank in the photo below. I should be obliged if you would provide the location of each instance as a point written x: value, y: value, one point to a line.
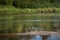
x: 39, y: 33
x: 33, y: 33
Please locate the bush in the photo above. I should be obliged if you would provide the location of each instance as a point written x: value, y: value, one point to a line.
x: 13, y: 10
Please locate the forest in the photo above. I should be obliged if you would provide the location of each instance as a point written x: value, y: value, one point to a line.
x: 31, y: 3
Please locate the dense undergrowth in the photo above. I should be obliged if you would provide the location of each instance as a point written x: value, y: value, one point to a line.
x: 13, y: 10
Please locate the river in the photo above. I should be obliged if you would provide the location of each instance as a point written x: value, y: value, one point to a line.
x: 39, y: 37
x: 31, y: 37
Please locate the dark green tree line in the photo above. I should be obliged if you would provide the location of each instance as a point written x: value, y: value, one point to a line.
x: 29, y: 3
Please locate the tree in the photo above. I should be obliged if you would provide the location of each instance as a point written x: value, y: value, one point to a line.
x: 6, y: 2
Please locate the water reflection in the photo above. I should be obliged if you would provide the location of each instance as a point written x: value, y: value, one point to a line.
x: 31, y: 37
x: 38, y: 37
x: 54, y: 37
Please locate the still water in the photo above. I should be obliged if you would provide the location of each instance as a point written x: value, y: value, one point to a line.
x: 39, y: 37
x: 32, y: 37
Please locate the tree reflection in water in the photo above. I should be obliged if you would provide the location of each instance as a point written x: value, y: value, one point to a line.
x: 30, y: 37
x: 54, y: 37
x: 38, y: 37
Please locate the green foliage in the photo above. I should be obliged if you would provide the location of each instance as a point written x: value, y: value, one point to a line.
x: 6, y: 2
x: 13, y: 10
x: 13, y: 27
x: 31, y: 3
x: 36, y: 3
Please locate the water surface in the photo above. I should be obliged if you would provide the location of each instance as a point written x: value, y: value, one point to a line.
x: 39, y: 37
